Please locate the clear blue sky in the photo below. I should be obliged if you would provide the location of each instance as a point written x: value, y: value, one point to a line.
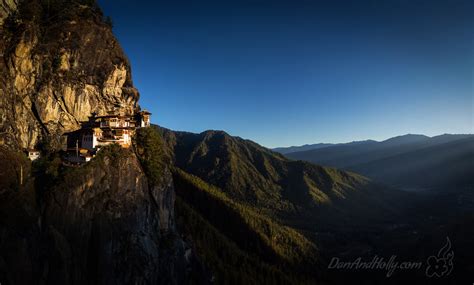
x: 300, y: 71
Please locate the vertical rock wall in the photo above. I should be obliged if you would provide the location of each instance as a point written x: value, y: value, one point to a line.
x: 59, y: 65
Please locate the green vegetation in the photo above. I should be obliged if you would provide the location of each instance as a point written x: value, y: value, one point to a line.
x: 111, y: 154
x: 49, y: 170
x: 14, y: 170
x: 273, y: 209
x: 228, y: 263
x: 259, y: 178
x: 280, y: 248
x: 150, y: 149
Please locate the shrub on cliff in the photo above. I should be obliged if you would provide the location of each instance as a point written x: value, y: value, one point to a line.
x: 150, y: 149
x: 14, y: 169
x: 47, y: 171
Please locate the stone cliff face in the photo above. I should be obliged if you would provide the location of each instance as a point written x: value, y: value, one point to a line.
x: 111, y: 227
x: 103, y: 222
x: 58, y: 67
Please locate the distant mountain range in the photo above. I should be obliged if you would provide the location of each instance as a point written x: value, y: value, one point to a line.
x: 270, y: 206
x: 408, y: 161
x: 255, y: 175
x: 283, y: 216
x: 208, y: 208
x: 290, y: 149
x: 306, y: 147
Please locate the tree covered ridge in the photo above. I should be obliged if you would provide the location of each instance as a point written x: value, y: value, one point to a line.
x: 268, y: 207
x: 256, y: 176
x: 238, y: 243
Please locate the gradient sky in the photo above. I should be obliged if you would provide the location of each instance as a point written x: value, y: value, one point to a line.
x: 294, y: 72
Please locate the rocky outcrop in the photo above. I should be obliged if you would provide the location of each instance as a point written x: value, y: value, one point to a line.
x: 110, y: 227
x: 102, y: 223
x: 58, y: 67
x: 6, y: 8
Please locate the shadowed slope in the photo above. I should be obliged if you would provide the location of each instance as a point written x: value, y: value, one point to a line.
x: 258, y: 177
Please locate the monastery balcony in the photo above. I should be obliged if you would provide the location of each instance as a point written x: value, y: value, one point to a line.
x: 110, y: 139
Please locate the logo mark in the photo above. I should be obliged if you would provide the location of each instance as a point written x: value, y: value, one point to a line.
x: 442, y: 264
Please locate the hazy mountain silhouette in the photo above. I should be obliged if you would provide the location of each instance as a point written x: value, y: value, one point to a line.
x: 307, y: 147
x: 409, y: 161
x: 285, y: 150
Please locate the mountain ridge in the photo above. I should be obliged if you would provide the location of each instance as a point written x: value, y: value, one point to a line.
x: 342, y: 213
x: 375, y: 160
x: 411, y: 137
x: 174, y: 207
x: 258, y: 176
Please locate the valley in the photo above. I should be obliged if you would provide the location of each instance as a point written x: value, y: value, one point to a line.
x: 93, y: 191
x: 372, y: 219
